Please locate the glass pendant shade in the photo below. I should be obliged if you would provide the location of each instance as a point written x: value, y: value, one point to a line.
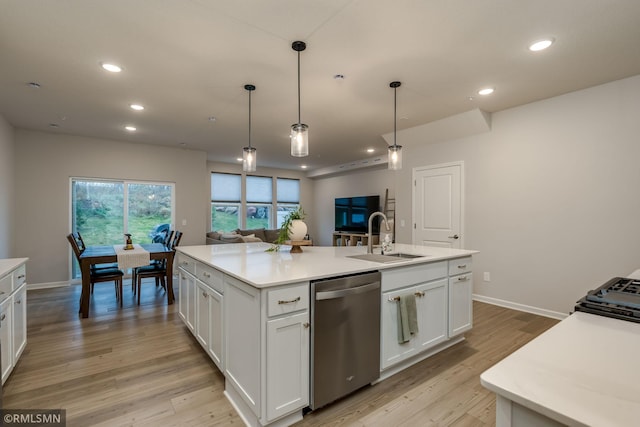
x: 395, y: 157
x: 299, y: 140
x: 249, y: 157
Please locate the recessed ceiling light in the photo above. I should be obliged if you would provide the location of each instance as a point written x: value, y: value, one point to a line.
x: 212, y: 119
x: 486, y: 91
x: 239, y: 159
x: 54, y: 125
x: 130, y: 128
x: 303, y: 166
x: 136, y: 107
x: 34, y: 85
x: 541, y: 45
x: 111, y: 67
x: 370, y: 150
x: 339, y: 76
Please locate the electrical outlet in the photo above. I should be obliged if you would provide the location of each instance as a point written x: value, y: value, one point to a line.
x: 486, y: 277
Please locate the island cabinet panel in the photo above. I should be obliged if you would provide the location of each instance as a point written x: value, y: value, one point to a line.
x: 216, y: 329
x: 287, y: 373
x: 19, y: 322
x: 242, y: 342
x: 431, y: 311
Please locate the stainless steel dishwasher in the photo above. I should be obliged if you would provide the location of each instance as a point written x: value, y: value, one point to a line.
x: 345, y: 335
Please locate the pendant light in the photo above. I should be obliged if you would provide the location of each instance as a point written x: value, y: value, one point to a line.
x: 249, y: 153
x: 395, y: 150
x: 299, y: 131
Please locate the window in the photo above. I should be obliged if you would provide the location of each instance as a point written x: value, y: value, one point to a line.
x: 226, y: 197
x: 103, y: 210
x: 288, y: 195
x: 257, y: 204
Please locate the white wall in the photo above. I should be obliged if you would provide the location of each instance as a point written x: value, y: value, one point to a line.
x: 6, y: 187
x: 44, y: 164
x: 551, y: 194
x: 366, y: 182
x: 306, y: 188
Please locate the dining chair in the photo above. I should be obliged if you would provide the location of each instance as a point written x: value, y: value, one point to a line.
x: 156, y: 263
x: 99, y: 275
x: 81, y: 245
x: 157, y: 271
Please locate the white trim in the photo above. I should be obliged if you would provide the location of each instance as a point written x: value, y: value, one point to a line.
x: 47, y: 285
x: 521, y: 307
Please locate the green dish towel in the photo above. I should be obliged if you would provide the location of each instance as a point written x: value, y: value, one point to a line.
x: 407, y: 317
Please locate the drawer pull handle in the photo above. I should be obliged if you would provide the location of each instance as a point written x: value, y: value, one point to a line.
x: 184, y: 263
x: 204, y: 294
x: 18, y: 302
x: 463, y: 279
x: 21, y: 276
x: 306, y: 325
x: 419, y: 294
x: 207, y: 275
x: 462, y: 266
x: 289, y: 302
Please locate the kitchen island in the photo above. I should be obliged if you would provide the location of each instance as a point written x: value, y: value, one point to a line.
x: 250, y: 310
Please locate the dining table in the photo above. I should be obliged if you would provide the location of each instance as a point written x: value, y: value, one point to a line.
x: 105, y: 254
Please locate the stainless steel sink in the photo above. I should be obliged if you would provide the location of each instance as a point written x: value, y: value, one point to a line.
x: 395, y: 257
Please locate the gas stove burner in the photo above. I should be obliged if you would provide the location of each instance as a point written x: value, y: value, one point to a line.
x: 618, y: 298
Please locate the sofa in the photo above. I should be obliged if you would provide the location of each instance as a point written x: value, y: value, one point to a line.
x: 242, y: 236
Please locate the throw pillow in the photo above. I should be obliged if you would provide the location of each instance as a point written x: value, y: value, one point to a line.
x: 257, y: 232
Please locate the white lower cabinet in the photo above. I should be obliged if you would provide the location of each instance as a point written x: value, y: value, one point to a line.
x: 431, y: 311
x: 287, y: 364
x: 267, y: 349
x: 187, y: 298
x: 208, y: 327
x: 6, y: 326
x: 19, y: 300
x: 13, y: 313
x: 460, y: 304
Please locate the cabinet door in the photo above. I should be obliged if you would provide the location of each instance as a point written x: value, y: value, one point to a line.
x: 19, y: 322
x: 202, y: 324
x: 431, y: 308
x: 186, y: 304
x: 6, y: 316
x: 287, y: 364
x: 393, y: 352
x: 460, y: 304
x: 216, y: 328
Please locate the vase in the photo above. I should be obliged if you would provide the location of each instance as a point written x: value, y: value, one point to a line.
x: 297, y: 230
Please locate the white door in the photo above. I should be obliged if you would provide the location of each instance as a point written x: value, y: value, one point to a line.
x: 437, y: 201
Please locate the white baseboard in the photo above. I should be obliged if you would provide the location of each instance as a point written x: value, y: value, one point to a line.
x: 521, y: 307
x: 32, y: 286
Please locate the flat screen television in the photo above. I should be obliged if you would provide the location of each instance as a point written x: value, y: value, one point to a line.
x: 352, y: 214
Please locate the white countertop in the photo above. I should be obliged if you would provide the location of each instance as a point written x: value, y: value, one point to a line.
x: 583, y: 371
x: 10, y: 264
x: 250, y: 263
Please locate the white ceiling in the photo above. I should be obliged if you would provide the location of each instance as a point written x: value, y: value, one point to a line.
x: 187, y: 60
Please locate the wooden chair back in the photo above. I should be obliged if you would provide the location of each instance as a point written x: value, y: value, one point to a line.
x: 74, y: 245
x: 176, y: 239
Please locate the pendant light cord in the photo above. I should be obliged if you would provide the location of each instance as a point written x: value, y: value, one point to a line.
x: 249, y: 119
x: 299, y: 121
x: 395, y: 114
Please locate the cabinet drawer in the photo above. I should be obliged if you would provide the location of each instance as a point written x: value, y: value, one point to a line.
x: 288, y: 300
x: 406, y: 276
x: 210, y: 276
x: 5, y: 287
x: 459, y: 266
x: 19, y: 276
x: 187, y: 264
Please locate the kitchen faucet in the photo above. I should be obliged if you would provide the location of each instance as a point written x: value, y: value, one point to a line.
x: 370, y: 234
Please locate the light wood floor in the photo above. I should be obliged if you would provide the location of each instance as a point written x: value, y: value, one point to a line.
x: 140, y: 366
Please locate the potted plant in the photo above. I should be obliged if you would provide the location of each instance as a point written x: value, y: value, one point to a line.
x: 293, y: 228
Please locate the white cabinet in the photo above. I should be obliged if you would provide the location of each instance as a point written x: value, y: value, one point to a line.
x: 187, y: 298
x: 6, y: 317
x: 208, y: 325
x: 13, y: 312
x: 460, y: 296
x: 287, y: 364
x: 431, y: 310
x: 267, y: 350
x: 19, y: 328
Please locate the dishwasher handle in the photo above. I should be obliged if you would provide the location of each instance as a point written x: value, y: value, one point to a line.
x: 340, y: 293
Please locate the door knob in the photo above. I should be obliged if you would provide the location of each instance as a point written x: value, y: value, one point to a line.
x: 455, y: 236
